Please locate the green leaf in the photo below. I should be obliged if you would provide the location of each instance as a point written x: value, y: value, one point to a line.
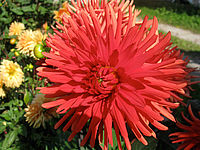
x: 23, y: 2
x: 34, y: 6
x: 17, y: 11
x: 2, y: 127
x: 5, y: 20
x: 6, y: 115
x: 42, y: 10
x: 115, y: 145
x: 152, y: 144
x: 27, y: 9
x: 27, y: 96
x: 10, y: 138
x: 22, y: 130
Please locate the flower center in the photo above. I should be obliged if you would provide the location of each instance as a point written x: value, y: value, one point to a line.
x: 11, y: 70
x: 102, y: 80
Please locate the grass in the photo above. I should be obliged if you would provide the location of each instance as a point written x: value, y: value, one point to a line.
x: 183, y: 16
x: 185, y: 45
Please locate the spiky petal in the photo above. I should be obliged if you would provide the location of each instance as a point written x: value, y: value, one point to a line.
x: 190, y: 137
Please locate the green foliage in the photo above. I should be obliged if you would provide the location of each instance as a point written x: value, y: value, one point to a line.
x: 152, y: 144
x: 183, y: 16
x: 32, y: 13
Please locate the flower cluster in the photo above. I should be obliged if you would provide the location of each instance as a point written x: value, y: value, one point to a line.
x: 11, y: 75
x: 16, y: 28
x: 27, y: 39
x: 112, y: 71
x: 36, y: 115
x: 64, y: 10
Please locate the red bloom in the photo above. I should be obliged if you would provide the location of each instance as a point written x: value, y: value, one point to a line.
x: 190, y: 138
x: 111, y: 71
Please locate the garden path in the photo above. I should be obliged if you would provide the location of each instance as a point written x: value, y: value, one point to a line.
x: 180, y: 33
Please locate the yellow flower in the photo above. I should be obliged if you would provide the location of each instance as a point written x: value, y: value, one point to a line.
x: 16, y: 28
x: 36, y: 115
x: 61, y: 11
x: 2, y: 93
x: 45, y: 26
x: 12, y: 75
x: 27, y: 41
x: 39, y: 37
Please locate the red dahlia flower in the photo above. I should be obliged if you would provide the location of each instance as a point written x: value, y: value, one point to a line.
x: 190, y: 138
x: 111, y: 71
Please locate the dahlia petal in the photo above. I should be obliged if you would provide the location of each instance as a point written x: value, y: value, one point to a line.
x: 100, y: 133
x: 59, y: 78
x: 70, y: 122
x: 65, y: 106
x: 192, y: 115
x: 111, y: 42
x: 86, y: 22
x: 137, y: 133
x: 54, y: 62
x: 153, y: 51
x: 94, y: 122
x: 97, y: 26
x: 154, y: 28
x: 184, y: 127
x: 81, y: 122
x: 108, y: 128
x: 56, y: 94
x: 50, y: 90
x: 69, y: 88
x: 156, y: 92
x: 107, y: 17
x: 53, y: 56
x: 53, y: 103
x: 140, y: 34
x: 130, y: 19
x: 47, y: 72
x: 159, y: 125
x: 149, y: 43
x: 69, y: 113
x: 152, y: 115
x: 163, y: 111
x: 189, y: 146
x: 132, y: 98
x: 183, y: 145
x: 85, y: 138
x: 128, y: 39
x: 119, y: 119
x: 179, y: 140
x: 113, y: 59
x: 160, y: 101
x: 186, y: 119
x: 145, y: 73
x: 101, y: 50
x: 117, y: 135
x: 86, y: 41
x: 113, y: 19
x: 93, y: 136
x: 144, y: 128
x: 172, y: 71
x: 118, y: 30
